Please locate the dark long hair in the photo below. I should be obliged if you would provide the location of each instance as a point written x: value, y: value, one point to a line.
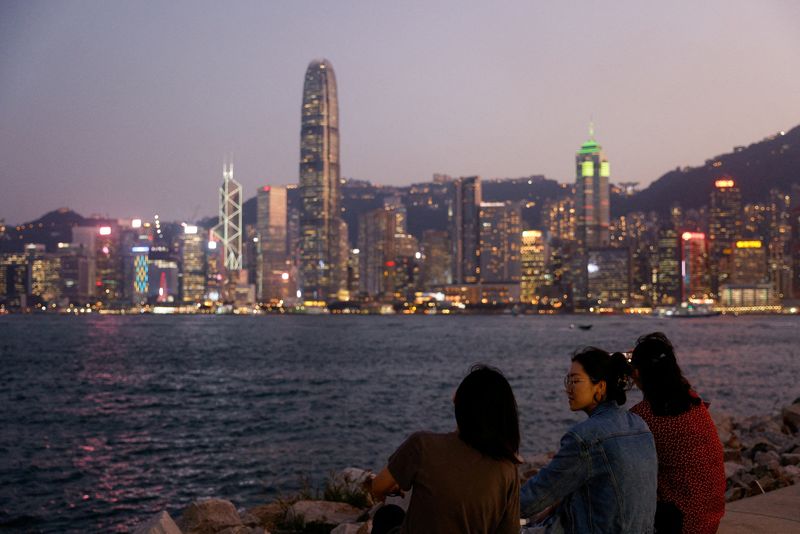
x: 486, y: 413
x: 660, y: 376
x: 613, y: 368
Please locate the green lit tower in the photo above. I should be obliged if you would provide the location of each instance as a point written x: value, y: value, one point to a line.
x: 592, y: 172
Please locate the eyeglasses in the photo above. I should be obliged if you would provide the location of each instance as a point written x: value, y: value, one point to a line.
x: 570, y: 381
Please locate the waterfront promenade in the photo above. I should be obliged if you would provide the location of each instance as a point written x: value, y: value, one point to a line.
x: 776, y: 512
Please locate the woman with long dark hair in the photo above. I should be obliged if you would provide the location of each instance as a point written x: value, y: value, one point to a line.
x: 603, y: 478
x: 463, y: 481
x: 691, y: 472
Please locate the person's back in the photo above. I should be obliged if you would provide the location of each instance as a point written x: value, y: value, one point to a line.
x: 464, y: 481
x: 610, y: 485
x: 456, y: 488
x: 691, y: 472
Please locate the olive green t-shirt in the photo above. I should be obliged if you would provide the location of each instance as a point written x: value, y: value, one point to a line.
x: 456, y: 488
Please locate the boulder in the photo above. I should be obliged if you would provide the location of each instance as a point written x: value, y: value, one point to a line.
x: 790, y: 458
x: 351, y: 479
x: 209, y: 517
x: 732, y: 469
x: 791, y: 417
x: 268, y: 515
x: 724, y: 424
x: 326, y: 512
x: 769, y: 459
x: 161, y: 523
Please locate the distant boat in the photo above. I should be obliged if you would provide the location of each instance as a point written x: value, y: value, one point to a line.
x: 688, y: 311
x: 581, y: 326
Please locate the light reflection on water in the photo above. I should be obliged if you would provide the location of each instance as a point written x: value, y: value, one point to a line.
x: 109, y: 419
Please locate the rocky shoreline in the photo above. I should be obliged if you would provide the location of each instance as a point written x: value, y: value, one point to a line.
x: 762, y: 453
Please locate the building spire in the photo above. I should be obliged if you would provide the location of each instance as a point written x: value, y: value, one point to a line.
x: 591, y: 129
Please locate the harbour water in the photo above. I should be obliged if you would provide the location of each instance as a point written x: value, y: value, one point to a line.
x: 108, y: 419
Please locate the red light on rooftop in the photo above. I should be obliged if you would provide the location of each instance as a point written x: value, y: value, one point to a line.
x: 721, y: 184
x: 266, y: 188
x: 390, y: 263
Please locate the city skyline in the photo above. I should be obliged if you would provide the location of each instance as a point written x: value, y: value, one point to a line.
x: 101, y: 102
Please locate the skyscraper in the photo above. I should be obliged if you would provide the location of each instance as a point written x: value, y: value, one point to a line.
x: 500, y: 236
x: 724, y: 228
x: 533, y: 254
x: 229, y: 228
x: 694, y: 267
x: 323, y: 268
x: 273, y: 275
x: 465, y: 232
x: 592, y: 208
x: 592, y: 172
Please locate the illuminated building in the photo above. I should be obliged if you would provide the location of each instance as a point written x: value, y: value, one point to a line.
x: 463, y: 215
x: 14, y: 278
x: 271, y: 231
x: 44, y: 274
x: 77, y: 272
x: 749, y: 298
x: 694, y: 267
x: 724, y: 228
x: 229, y: 229
x: 609, y: 276
x: 322, y: 264
x: 500, y: 234
x: 667, y: 268
x: 749, y: 261
x: 561, y: 218
x: 779, y: 244
x: 533, y: 259
x: 592, y: 172
x: 141, y: 274
x: 591, y: 194
x: 193, y: 273
x: 436, y: 261
x: 102, y: 245
x: 377, y: 252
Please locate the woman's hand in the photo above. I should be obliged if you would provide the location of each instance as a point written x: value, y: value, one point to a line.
x: 382, y: 485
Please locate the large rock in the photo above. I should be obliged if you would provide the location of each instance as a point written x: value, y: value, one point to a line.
x: 791, y: 417
x: 732, y: 469
x: 351, y: 479
x: 724, y: 424
x: 268, y: 515
x: 326, y: 512
x: 210, y: 517
x: 161, y: 523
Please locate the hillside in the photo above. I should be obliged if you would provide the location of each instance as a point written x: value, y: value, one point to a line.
x: 773, y: 163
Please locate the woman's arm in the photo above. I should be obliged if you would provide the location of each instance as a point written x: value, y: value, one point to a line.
x: 382, y: 485
x: 566, y: 472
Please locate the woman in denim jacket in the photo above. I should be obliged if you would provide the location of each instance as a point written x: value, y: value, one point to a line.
x: 604, y: 476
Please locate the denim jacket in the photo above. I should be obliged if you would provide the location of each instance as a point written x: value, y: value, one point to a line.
x: 604, y: 476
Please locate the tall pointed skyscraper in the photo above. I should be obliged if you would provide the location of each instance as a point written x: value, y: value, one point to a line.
x: 322, y: 266
x: 592, y: 172
x: 229, y: 228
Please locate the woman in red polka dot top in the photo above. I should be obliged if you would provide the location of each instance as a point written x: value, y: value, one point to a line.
x: 691, y: 472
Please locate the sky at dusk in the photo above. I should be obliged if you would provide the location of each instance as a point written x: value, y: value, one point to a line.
x: 130, y: 108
